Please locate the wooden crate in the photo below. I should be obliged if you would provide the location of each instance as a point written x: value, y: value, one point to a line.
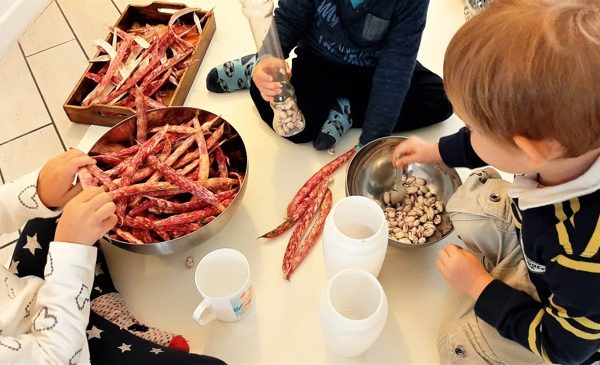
x: 153, y: 14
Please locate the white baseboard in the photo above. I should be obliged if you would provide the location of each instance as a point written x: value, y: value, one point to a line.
x: 15, y: 17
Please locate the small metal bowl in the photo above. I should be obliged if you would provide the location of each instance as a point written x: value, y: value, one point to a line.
x: 124, y: 134
x: 370, y: 174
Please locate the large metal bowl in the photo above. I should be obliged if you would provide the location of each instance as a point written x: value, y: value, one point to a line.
x: 370, y: 174
x: 124, y: 134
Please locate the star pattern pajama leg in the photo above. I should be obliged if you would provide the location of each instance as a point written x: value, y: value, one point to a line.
x: 114, y: 334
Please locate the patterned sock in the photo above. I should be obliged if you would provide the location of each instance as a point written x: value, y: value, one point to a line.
x: 112, y: 307
x: 337, y: 124
x: 232, y: 75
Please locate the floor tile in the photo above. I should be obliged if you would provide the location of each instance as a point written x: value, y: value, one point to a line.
x: 122, y: 4
x: 15, y: 17
x: 57, y: 71
x: 48, y: 30
x: 89, y: 20
x: 22, y: 107
x: 204, y: 4
x: 29, y: 152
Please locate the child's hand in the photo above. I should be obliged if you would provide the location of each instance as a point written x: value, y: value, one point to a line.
x: 54, y: 186
x: 263, y: 76
x: 463, y: 270
x: 415, y: 149
x: 86, y: 217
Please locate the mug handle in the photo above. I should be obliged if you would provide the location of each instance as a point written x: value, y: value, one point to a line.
x: 211, y: 316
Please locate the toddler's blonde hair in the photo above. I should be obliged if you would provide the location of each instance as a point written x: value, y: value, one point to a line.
x: 530, y: 68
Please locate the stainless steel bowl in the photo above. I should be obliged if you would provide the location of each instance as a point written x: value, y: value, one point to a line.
x: 124, y: 134
x: 370, y: 173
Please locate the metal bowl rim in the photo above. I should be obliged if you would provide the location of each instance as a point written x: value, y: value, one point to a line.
x: 454, y: 177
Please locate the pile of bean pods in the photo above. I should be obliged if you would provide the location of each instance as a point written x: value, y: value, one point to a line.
x: 175, y: 180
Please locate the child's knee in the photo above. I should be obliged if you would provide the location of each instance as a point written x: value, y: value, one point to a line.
x: 483, y: 196
x: 481, y: 214
x: 470, y: 340
x: 461, y: 342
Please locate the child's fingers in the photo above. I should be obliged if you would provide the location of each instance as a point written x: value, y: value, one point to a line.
x: 108, y: 223
x: 73, y: 191
x: 99, y: 200
x: 266, y: 97
x: 443, y: 253
x: 453, y: 250
x: 440, y: 264
x: 81, y: 161
x: 272, y: 88
x: 447, y: 253
x: 401, y: 155
x: 404, y: 160
x: 73, y: 164
x: 106, y: 210
x: 262, y: 77
x: 72, y: 152
x: 269, y: 90
x: 403, y: 148
x: 95, y: 196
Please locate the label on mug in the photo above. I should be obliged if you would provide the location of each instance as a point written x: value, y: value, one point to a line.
x: 241, y: 304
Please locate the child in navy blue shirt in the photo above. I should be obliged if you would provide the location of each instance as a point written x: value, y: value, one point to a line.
x: 355, y: 66
x: 528, y: 93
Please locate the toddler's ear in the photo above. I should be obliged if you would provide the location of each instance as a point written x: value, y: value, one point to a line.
x: 539, y: 152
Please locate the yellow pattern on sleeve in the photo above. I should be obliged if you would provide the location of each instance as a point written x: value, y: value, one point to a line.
x: 594, y: 243
x: 591, y: 267
x: 561, y: 229
x: 532, y: 332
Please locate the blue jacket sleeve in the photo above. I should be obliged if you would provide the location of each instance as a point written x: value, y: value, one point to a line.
x: 394, y: 70
x: 292, y: 18
x: 456, y: 150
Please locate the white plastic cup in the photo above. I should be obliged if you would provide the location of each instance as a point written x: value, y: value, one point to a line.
x: 355, y: 235
x: 223, y: 280
x: 353, y: 311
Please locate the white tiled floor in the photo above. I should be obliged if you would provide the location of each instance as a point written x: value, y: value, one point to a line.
x: 87, y: 27
x: 22, y: 109
x: 49, y: 29
x: 56, y: 71
x: 38, y: 72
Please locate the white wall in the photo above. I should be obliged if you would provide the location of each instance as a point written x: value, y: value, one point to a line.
x: 15, y: 18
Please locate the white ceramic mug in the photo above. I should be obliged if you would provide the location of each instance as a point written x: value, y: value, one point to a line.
x: 355, y: 235
x: 223, y: 279
x: 353, y: 311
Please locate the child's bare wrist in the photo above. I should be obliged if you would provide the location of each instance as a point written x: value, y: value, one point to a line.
x: 479, y: 285
x: 436, y: 152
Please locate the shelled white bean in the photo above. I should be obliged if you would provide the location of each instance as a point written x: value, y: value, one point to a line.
x: 413, y: 219
x: 287, y: 119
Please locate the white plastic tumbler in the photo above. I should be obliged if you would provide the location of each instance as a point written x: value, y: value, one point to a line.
x: 355, y: 235
x: 353, y: 311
